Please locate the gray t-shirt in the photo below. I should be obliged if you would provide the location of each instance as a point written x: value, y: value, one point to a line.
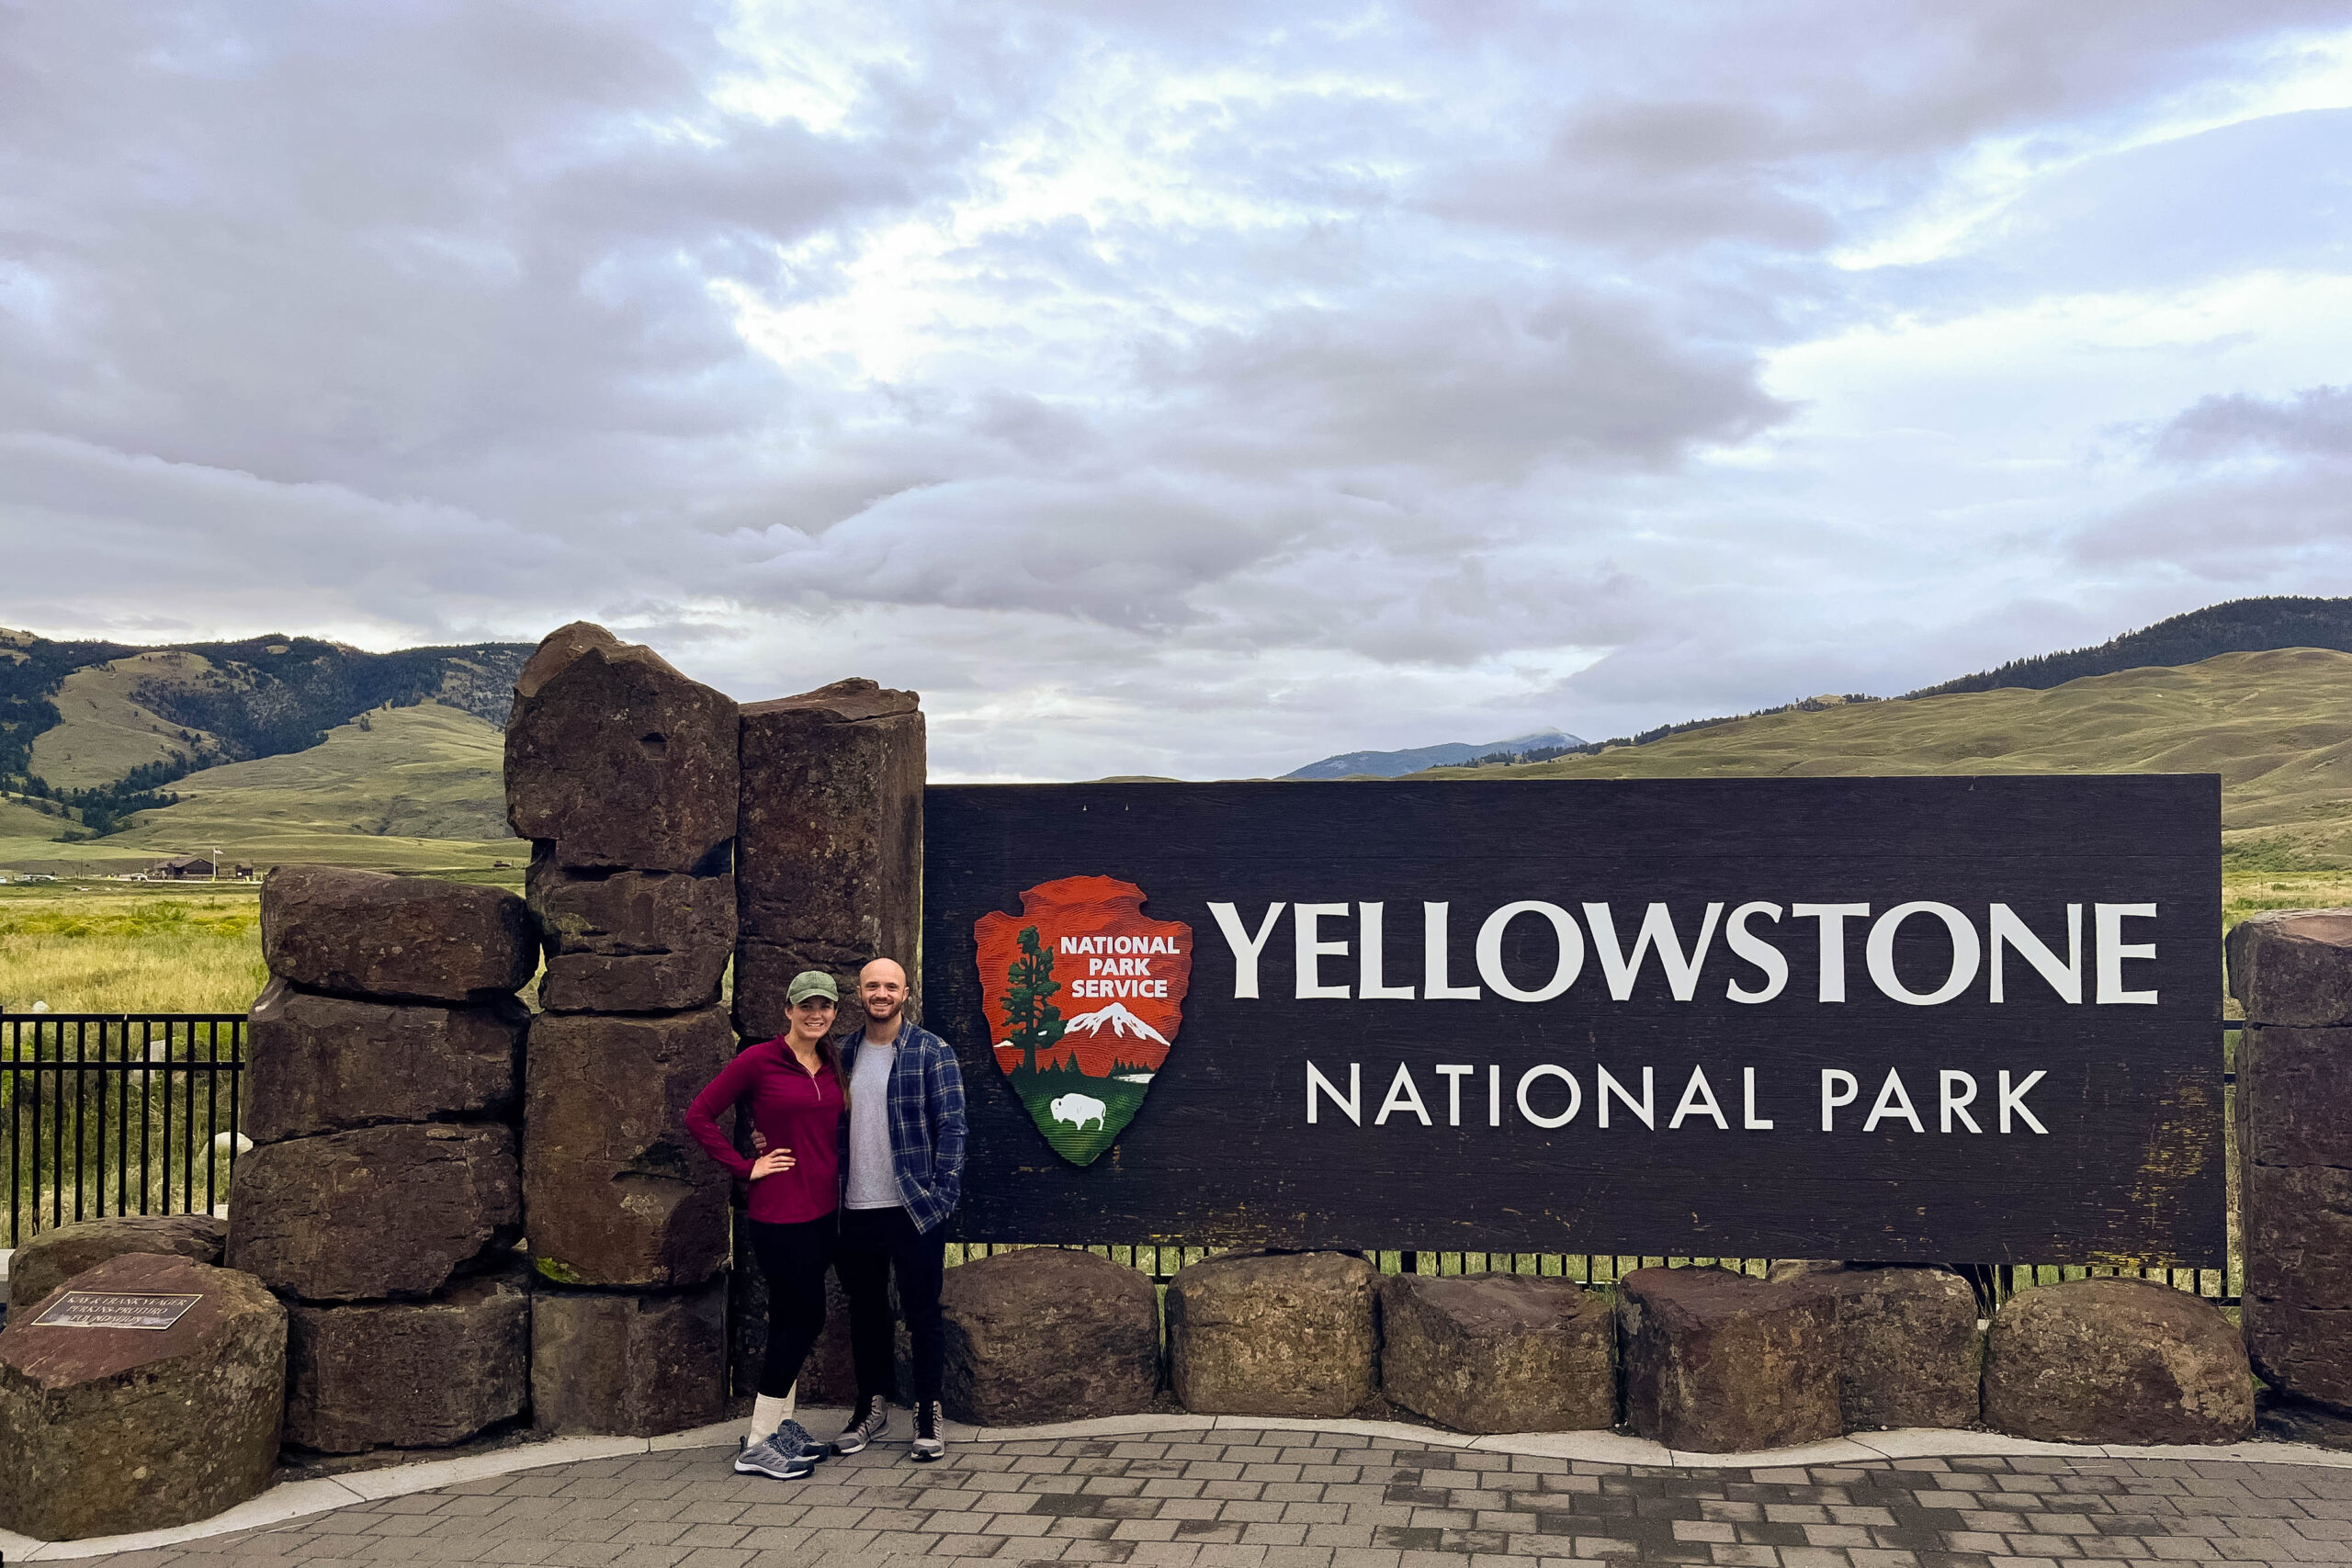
x: 873, y: 1176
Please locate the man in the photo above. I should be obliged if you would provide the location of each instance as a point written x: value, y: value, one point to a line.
x: 902, y: 1148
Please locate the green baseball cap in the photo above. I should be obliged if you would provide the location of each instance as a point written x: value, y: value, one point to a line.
x: 811, y: 983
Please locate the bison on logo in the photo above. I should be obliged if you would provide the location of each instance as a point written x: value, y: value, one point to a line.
x: 1085, y: 996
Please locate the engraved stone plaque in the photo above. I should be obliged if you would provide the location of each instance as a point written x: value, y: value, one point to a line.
x: 98, y: 1309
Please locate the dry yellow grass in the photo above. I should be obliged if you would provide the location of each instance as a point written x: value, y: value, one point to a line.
x: 176, y: 950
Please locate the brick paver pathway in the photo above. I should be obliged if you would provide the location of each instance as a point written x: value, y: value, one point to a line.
x: 1320, y: 1500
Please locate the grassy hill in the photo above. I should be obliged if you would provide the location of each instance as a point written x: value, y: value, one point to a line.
x: 102, y: 727
x: 2276, y: 725
x: 399, y: 789
x: 105, y: 728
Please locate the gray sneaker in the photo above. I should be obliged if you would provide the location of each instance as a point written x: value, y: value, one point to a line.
x: 928, y: 1444
x: 856, y: 1436
x: 793, y: 1437
x: 772, y: 1455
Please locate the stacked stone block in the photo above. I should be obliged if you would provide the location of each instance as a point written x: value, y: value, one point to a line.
x: 828, y: 875
x: 624, y: 775
x: 2291, y: 971
x: 830, y: 842
x: 383, y: 1197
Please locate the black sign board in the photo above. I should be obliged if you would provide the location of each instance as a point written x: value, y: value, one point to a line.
x: 106, y: 1309
x: 1899, y: 1019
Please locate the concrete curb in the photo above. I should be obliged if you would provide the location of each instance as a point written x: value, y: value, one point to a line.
x: 298, y: 1499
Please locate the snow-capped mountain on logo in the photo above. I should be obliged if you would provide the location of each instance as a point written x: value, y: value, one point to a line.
x: 1118, y: 1020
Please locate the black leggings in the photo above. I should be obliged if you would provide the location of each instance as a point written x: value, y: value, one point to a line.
x: 793, y: 1260
x: 877, y: 1244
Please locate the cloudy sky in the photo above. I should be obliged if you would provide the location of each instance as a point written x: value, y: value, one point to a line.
x: 1179, y: 386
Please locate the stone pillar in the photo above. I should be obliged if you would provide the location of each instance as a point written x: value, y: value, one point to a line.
x: 830, y: 845
x: 2292, y: 973
x: 623, y: 774
x: 382, y: 1199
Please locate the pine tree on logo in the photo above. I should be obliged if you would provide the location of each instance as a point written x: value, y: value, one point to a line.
x: 1036, y: 1022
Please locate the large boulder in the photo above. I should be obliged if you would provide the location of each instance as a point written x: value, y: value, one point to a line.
x: 2293, y: 966
x: 1909, y: 1351
x: 617, y: 760
x: 631, y: 940
x: 1716, y: 1362
x: 110, y: 1430
x: 377, y: 1211
x: 320, y: 1064
x: 2116, y: 1361
x: 829, y: 860
x: 53, y: 1256
x: 1045, y: 1333
x: 1499, y: 1352
x: 616, y: 1192
x: 364, y: 934
x: 1272, y: 1334
x: 410, y: 1375
x: 628, y: 1363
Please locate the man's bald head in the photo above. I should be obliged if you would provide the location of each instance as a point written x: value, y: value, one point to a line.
x: 882, y: 991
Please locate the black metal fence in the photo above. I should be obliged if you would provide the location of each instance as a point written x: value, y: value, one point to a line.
x: 116, y: 1114
x: 136, y: 1113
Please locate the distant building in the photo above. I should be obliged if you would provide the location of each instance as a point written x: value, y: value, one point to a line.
x: 182, y: 868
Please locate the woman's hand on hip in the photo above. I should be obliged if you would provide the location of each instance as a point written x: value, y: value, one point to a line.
x: 774, y: 1160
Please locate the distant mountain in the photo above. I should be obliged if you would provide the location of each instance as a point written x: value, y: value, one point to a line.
x: 2240, y: 626
x: 93, y: 732
x: 1396, y: 764
x: 414, y: 788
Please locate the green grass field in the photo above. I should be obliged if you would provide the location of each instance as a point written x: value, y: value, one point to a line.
x: 2277, y: 726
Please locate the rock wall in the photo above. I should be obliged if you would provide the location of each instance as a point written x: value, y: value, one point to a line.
x: 624, y: 775
x: 2292, y: 973
x: 383, y: 1196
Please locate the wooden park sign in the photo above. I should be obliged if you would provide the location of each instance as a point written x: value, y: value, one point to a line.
x: 1900, y: 1019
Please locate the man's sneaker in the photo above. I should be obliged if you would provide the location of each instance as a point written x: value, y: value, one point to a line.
x: 772, y: 1455
x: 863, y: 1428
x: 928, y: 1444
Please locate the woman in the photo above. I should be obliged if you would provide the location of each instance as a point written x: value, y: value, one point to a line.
x: 797, y: 1096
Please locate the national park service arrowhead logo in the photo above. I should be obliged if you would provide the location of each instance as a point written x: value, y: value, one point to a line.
x: 1085, y: 994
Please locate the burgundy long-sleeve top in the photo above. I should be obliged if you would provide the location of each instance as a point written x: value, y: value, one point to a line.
x: 793, y: 1110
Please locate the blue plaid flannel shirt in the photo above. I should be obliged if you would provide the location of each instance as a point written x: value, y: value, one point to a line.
x: 926, y: 1122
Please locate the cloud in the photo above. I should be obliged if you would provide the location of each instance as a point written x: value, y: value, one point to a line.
x: 1192, y: 387
x: 2314, y: 421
